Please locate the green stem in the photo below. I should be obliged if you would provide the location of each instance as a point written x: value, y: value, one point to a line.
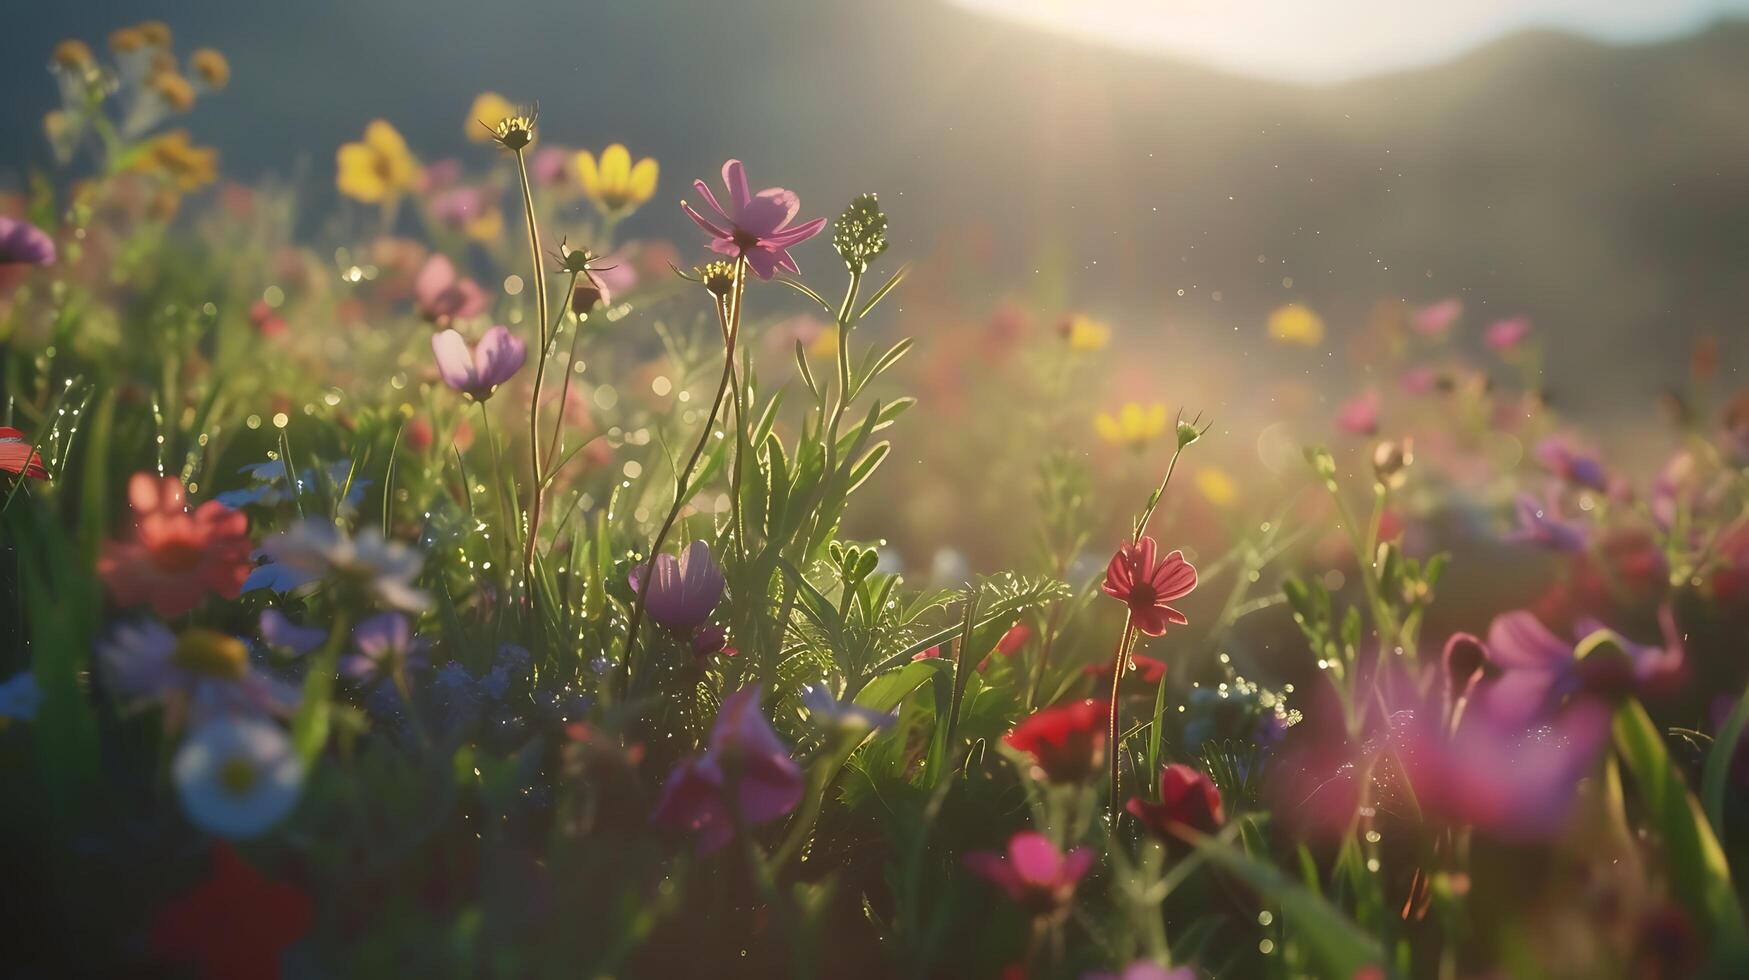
x: 536, y: 492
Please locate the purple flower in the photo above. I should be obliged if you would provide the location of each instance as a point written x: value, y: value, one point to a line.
x: 683, y: 591
x: 1542, y: 524
x: 756, y: 226
x: 828, y: 711
x: 1505, y: 335
x: 442, y: 295
x: 382, y: 640
x: 1035, y: 875
x: 744, y: 764
x: 1568, y: 463
x: 281, y: 633
x: 22, y: 243
x: 493, y: 360
x: 458, y: 206
x: 1529, y: 671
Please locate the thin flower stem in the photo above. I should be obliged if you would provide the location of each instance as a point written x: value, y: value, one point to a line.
x: 565, y: 391
x: 1113, y: 746
x: 682, y: 482
x: 540, y: 302
x: 741, y: 445
x: 504, y: 512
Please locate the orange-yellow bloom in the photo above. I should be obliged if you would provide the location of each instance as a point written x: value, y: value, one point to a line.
x: 489, y: 109
x: 1133, y: 426
x: 378, y: 169
x: 1296, y: 324
x: 1083, y: 333
x: 613, y: 184
x: 212, y: 67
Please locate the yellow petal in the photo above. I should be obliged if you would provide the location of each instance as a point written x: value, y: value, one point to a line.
x: 1107, y: 427
x: 489, y: 108
x: 1156, y: 421
x: 1295, y: 324
x: 1217, y: 487
x: 357, y: 175
x: 1131, y: 417
x: 587, y: 173
x: 642, y: 186
x: 616, y: 169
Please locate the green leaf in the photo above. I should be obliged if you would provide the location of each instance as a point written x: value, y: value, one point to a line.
x: 1718, y: 762
x: 1699, y: 872
x: 1334, y: 940
x: 870, y: 462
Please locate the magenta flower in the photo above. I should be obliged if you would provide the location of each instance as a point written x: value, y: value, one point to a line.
x: 744, y: 765
x: 756, y: 226
x: 1572, y: 465
x: 1144, y: 970
x: 442, y: 295
x: 1359, y: 416
x: 1035, y: 875
x: 1147, y: 586
x: 684, y: 591
x: 22, y: 243
x: 1529, y: 671
x: 1435, y: 320
x: 1505, y: 335
x: 1542, y: 524
x: 477, y: 372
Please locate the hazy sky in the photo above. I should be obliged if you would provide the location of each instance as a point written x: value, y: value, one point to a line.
x: 1321, y: 41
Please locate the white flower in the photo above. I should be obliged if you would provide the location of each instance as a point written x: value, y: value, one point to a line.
x: 386, y: 569
x: 237, y: 776
x: 19, y: 697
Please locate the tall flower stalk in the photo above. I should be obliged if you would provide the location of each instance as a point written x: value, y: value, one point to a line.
x: 536, y: 491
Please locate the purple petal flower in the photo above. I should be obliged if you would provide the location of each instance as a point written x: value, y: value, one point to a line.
x: 743, y: 760
x: 442, y: 295
x: 1568, y: 463
x: 283, y: 634
x: 497, y: 356
x: 381, y: 640
x: 685, y: 590
x: 829, y: 711
x: 754, y: 226
x: 1542, y: 524
x: 22, y: 243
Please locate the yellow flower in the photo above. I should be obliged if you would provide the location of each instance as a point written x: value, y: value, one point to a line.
x: 488, y: 111
x: 1217, y: 487
x: 73, y: 55
x: 825, y: 343
x: 1295, y: 324
x: 155, y: 33
x: 486, y: 226
x: 212, y: 68
x: 1133, y: 426
x: 378, y: 169
x: 1083, y: 333
x: 613, y: 184
x: 125, y: 39
x: 186, y: 166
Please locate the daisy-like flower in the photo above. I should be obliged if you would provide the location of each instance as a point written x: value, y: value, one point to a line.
x: 202, y: 672
x: 1133, y: 427
x: 754, y: 226
x: 684, y: 591
x: 478, y: 372
x: 1066, y: 741
x: 383, y: 569
x: 237, y: 776
x: 378, y: 168
x: 1034, y: 874
x: 1296, y: 325
x: 442, y: 295
x: 614, y: 184
x: 175, y: 558
x: 17, y: 456
x: 1148, y: 586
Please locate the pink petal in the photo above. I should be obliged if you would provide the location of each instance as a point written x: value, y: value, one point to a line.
x: 1033, y: 858
x: 499, y: 355
x: 454, y: 361
x: 709, y: 229
x: 735, y: 178
x: 435, y: 276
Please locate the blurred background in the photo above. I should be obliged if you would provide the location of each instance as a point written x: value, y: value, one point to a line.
x: 1177, y: 169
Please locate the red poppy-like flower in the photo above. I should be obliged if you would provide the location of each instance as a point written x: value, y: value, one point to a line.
x: 1066, y: 742
x: 234, y: 924
x: 176, y: 557
x: 1147, y: 586
x: 17, y: 457
x: 1149, y: 669
x: 1188, y: 799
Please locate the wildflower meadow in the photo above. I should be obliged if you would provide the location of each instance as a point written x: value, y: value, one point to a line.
x: 447, y: 574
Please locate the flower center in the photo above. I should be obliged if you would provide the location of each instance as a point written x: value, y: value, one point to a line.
x: 1142, y: 594
x: 237, y: 776
x: 210, y: 652
x: 745, y: 240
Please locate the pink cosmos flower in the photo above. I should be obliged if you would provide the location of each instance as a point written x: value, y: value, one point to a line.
x: 1359, y: 415
x: 175, y: 558
x: 1529, y: 671
x: 442, y: 295
x: 1034, y: 874
x: 755, y: 226
x: 685, y: 590
x: 744, y: 765
x: 477, y: 372
x: 1435, y: 320
x: 1148, y: 586
x: 1505, y: 335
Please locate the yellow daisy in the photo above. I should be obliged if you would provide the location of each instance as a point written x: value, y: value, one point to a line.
x: 1133, y: 426
x: 378, y: 169
x: 1217, y: 487
x: 613, y: 184
x: 1083, y: 333
x: 1296, y: 324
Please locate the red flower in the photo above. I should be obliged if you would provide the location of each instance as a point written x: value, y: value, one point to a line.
x: 1188, y: 799
x: 233, y: 925
x: 176, y: 557
x: 1147, y: 586
x: 1149, y: 669
x: 1066, y: 742
x: 16, y: 456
